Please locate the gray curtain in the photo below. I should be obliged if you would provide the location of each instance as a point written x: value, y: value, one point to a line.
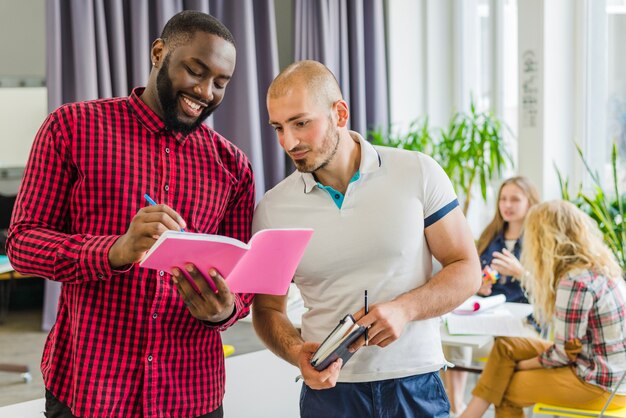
x: 348, y: 36
x: 101, y: 48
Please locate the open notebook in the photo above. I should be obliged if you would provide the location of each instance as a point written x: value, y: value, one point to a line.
x: 264, y: 265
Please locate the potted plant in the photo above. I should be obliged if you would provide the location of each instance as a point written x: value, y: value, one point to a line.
x: 471, y: 149
x: 607, y: 209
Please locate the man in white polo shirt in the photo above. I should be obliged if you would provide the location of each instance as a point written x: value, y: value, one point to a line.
x: 379, y: 215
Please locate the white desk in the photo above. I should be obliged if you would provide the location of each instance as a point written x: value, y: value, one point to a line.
x: 28, y: 409
x: 261, y: 385
x: 518, y: 310
x: 472, y: 341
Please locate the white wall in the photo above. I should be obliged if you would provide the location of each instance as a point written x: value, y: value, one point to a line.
x: 420, y: 48
x: 22, y: 110
x: 22, y: 30
x: 549, y: 121
x: 406, y: 43
x: 560, y: 94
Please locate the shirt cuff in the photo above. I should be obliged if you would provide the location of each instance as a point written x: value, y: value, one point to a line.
x: 94, y: 257
x: 228, y: 322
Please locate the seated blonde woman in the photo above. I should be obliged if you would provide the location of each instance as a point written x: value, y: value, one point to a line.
x: 577, y: 288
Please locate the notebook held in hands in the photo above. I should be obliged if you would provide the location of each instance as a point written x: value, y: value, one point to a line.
x: 336, y: 343
x: 266, y: 264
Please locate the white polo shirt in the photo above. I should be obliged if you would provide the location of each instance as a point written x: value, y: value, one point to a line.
x: 375, y: 241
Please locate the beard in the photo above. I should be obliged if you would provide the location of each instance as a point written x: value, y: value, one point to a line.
x: 169, y: 103
x: 327, y: 151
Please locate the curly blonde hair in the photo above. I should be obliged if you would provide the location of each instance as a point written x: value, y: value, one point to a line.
x: 559, y: 238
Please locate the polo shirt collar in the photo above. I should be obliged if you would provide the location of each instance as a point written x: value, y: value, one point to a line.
x: 370, y: 162
x: 148, y: 118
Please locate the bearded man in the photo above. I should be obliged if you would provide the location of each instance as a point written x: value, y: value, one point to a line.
x: 131, y: 342
x: 379, y: 215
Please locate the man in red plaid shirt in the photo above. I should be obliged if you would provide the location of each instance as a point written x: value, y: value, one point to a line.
x: 132, y: 342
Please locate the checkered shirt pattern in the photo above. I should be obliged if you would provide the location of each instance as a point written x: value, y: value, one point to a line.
x: 124, y: 345
x: 590, y: 318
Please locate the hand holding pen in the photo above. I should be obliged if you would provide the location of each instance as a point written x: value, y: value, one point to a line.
x: 190, y: 273
x: 153, y: 203
x: 384, y: 321
x: 145, y: 228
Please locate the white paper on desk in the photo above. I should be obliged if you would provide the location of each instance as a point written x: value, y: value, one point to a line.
x: 479, y: 304
x: 498, y: 323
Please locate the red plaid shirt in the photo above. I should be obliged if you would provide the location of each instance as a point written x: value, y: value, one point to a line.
x: 589, y: 327
x: 124, y: 345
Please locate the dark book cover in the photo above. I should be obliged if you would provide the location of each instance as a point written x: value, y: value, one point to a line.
x: 336, y: 344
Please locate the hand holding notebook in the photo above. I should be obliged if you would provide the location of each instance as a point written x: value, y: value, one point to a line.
x: 265, y: 265
x: 336, y: 343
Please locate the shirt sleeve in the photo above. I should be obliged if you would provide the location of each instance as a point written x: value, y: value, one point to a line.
x: 260, y: 220
x: 438, y: 194
x: 237, y: 224
x: 571, y: 311
x: 40, y: 241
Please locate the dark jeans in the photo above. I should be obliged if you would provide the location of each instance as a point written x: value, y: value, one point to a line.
x: 414, y: 396
x: 56, y: 409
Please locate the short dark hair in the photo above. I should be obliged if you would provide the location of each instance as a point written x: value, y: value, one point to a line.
x: 182, y: 26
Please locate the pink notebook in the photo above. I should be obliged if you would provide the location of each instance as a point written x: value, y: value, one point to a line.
x: 265, y: 265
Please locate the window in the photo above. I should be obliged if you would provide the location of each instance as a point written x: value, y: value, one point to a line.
x: 616, y: 72
x: 605, y: 109
x: 492, y: 31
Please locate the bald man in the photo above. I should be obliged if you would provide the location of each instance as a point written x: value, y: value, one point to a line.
x: 379, y: 215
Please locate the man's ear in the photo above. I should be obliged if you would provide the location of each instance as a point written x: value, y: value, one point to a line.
x: 342, y: 112
x: 157, y: 52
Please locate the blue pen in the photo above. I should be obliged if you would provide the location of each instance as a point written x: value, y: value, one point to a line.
x: 153, y: 203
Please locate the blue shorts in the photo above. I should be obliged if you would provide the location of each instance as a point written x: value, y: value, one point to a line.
x: 414, y: 396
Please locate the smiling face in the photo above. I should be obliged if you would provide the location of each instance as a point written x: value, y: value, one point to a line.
x: 513, y: 204
x: 305, y: 129
x: 191, y: 81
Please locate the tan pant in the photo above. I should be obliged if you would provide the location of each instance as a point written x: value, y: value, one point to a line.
x: 511, y: 390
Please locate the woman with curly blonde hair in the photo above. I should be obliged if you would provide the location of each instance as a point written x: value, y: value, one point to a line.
x: 577, y: 288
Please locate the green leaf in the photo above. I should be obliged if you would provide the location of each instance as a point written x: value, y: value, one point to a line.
x: 609, y: 214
